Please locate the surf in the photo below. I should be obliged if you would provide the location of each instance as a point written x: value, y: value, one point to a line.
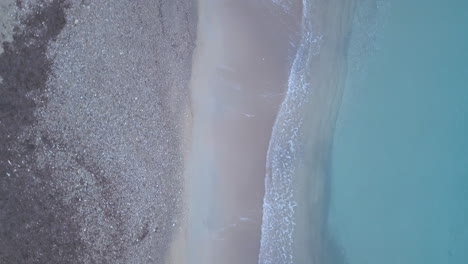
x: 278, y: 221
x: 297, y: 186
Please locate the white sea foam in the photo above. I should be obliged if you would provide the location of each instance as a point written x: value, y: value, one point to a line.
x: 284, y: 151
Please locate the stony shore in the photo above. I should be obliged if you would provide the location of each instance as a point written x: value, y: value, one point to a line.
x: 93, y: 95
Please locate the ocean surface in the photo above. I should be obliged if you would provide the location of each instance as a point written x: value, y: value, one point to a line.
x: 400, y: 154
x: 396, y: 181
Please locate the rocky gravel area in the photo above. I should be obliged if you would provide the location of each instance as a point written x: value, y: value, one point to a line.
x: 93, y: 98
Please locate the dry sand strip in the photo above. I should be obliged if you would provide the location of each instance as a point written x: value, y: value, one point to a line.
x: 92, y: 101
x: 240, y: 71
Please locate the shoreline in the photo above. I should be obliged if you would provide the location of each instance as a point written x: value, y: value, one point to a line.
x: 233, y: 110
x: 298, y: 186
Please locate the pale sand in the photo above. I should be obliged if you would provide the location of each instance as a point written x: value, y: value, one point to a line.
x: 240, y: 71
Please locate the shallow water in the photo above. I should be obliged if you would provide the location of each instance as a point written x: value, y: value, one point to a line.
x: 295, y: 195
x: 400, y: 154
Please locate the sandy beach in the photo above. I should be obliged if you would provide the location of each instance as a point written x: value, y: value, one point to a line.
x: 239, y: 76
x: 239, y: 79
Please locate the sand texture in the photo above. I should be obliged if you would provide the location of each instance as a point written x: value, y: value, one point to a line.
x: 241, y: 66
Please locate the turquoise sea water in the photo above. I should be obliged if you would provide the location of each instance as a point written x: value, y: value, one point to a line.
x: 400, y: 154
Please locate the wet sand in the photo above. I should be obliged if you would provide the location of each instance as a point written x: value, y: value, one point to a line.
x: 239, y: 75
